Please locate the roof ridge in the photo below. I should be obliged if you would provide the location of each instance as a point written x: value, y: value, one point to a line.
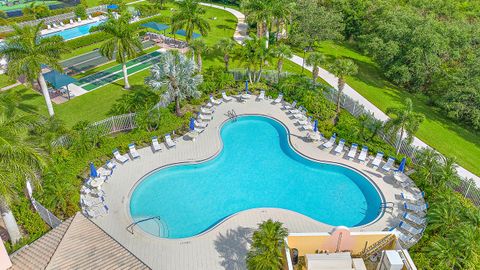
x: 61, y: 239
x: 115, y: 241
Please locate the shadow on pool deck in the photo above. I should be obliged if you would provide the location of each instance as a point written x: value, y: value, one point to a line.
x: 233, y: 247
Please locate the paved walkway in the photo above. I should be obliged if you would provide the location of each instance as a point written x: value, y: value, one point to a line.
x: 225, y: 245
x: 241, y: 34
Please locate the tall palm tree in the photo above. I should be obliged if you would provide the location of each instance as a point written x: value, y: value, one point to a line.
x: 281, y: 52
x: 259, y: 12
x: 199, y: 47
x: 20, y: 160
x: 427, y: 162
x: 282, y: 11
x: 123, y: 44
x: 403, y: 120
x: 266, y: 252
x: 254, y: 55
x: 226, y: 46
x: 315, y: 59
x: 26, y: 52
x: 178, y: 75
x: 342, y: 68
x: 189, y: 16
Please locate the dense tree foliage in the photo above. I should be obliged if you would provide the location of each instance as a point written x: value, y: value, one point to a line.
x: 427, y: 47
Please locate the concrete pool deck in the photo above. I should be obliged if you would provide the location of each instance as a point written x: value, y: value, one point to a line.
x: 225, y: 245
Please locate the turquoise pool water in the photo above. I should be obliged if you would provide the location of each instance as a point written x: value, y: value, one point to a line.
x: 74, y: 32
x: 256, y: 168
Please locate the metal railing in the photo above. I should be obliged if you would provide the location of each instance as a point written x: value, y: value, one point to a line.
x: 46, y: 215
x: 131, y: 226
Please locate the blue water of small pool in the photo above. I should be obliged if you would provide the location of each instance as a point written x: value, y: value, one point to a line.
x: 256, y: 168
x: 74, y: 32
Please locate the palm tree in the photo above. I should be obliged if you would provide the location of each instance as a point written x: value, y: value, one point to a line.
x: 427, y: 162
x: 444, y: 251
x: 268, y: 243
x: 199, y: 47
x: 123, y: 44
x: 189, y: 16
x: 26, y: 52
x: 226, y: 46
x: 178, y: 75
x: 254, y: 55
x: 20, y: 160
x: 281, y: 52
x: 282, y: 10
x: 315, y: 59
x: 342, y: 68
x: 259, y: 12
x: 403, y: 120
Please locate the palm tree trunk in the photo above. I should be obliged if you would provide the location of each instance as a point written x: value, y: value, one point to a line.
x: 10, y: 222
x: 279, y: 67
x: 226, y: 59
x: 125, y: 76
x: 199, y: 62
x: 341, y: 84
x: 46, y: 95
x: 177, y: 106
x: 400, y: 140
x: 315, y: 74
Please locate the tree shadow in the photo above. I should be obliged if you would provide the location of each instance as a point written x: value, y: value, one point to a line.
x: 233, y: 247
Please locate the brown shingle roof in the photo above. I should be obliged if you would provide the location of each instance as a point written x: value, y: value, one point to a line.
x: 77, y: 243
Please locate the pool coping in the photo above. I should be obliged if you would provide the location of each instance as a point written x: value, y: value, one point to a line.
x: 215, y: 155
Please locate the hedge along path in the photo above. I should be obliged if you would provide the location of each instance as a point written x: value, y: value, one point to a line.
x: 115, y: 73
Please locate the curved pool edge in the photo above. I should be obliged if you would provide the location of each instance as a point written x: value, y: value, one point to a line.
x: 218, y: 151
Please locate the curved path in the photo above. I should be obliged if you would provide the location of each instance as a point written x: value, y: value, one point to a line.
x: 225, y: 245
x: 241, y: 34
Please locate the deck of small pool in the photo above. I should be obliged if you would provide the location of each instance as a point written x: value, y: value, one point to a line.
x: 225, y: 245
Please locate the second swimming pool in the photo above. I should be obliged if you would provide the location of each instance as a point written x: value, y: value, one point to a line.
x: 256, y: 168
x: 74, y: 32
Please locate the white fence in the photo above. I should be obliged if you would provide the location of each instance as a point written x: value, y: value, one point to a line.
x: 46, y: 215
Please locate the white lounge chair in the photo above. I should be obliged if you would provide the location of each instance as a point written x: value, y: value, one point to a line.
x: 278, y: 99
x: 214, y: 101
x: 225, y: 97
x: 206, y: 110
x: 120, y: 158
x: 79, y: 19
x: 406, y: 239
x: 71, y: 21
x: 307, y: 127
x: 133, y: 151
x: 290, y: 106
x: 204, y: 117
x: 363, y: 154
x: 388, y: 166
x: 61, y: 24
x: 331, y: 141
x: 353, y: 151
x: 314, y: 136
x: 155, y: 144
x: 376, y: 161
x: 304, y: 122
x: 339, y: 148
x: 209, y: 105
x: 409, y: 228
x: 262, y: 95
x: 110, y: 165
x: 200, y: 124
x: 296, y: 110
x: 414, y: 218
x: 412, y: 198
x: 90, y: 17
x: 49, y: 26
x: 54, y: 25
x: 415, y: 208
x: 169, y: 142
x: 102, y: 172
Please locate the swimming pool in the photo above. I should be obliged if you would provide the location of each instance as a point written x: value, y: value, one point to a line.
x: 74, y: 32
x: 256, y: 168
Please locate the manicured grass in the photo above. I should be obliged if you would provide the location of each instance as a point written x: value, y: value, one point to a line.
x: 443, y: 134
x: 21, y: 6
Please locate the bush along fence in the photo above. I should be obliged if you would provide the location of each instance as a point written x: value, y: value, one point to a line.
x: 467, y: 187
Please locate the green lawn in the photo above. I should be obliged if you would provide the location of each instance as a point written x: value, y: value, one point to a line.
x: 21, y: 6
x: 437, y: 131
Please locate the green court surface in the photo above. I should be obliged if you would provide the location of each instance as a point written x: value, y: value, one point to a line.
x: 5, y: 7
x: 114, y: 73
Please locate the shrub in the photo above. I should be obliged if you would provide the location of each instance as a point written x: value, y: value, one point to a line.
x: 80, y: 11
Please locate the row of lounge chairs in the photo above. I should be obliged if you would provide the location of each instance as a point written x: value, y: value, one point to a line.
x: 61, y: 24
x: 414, y: 214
